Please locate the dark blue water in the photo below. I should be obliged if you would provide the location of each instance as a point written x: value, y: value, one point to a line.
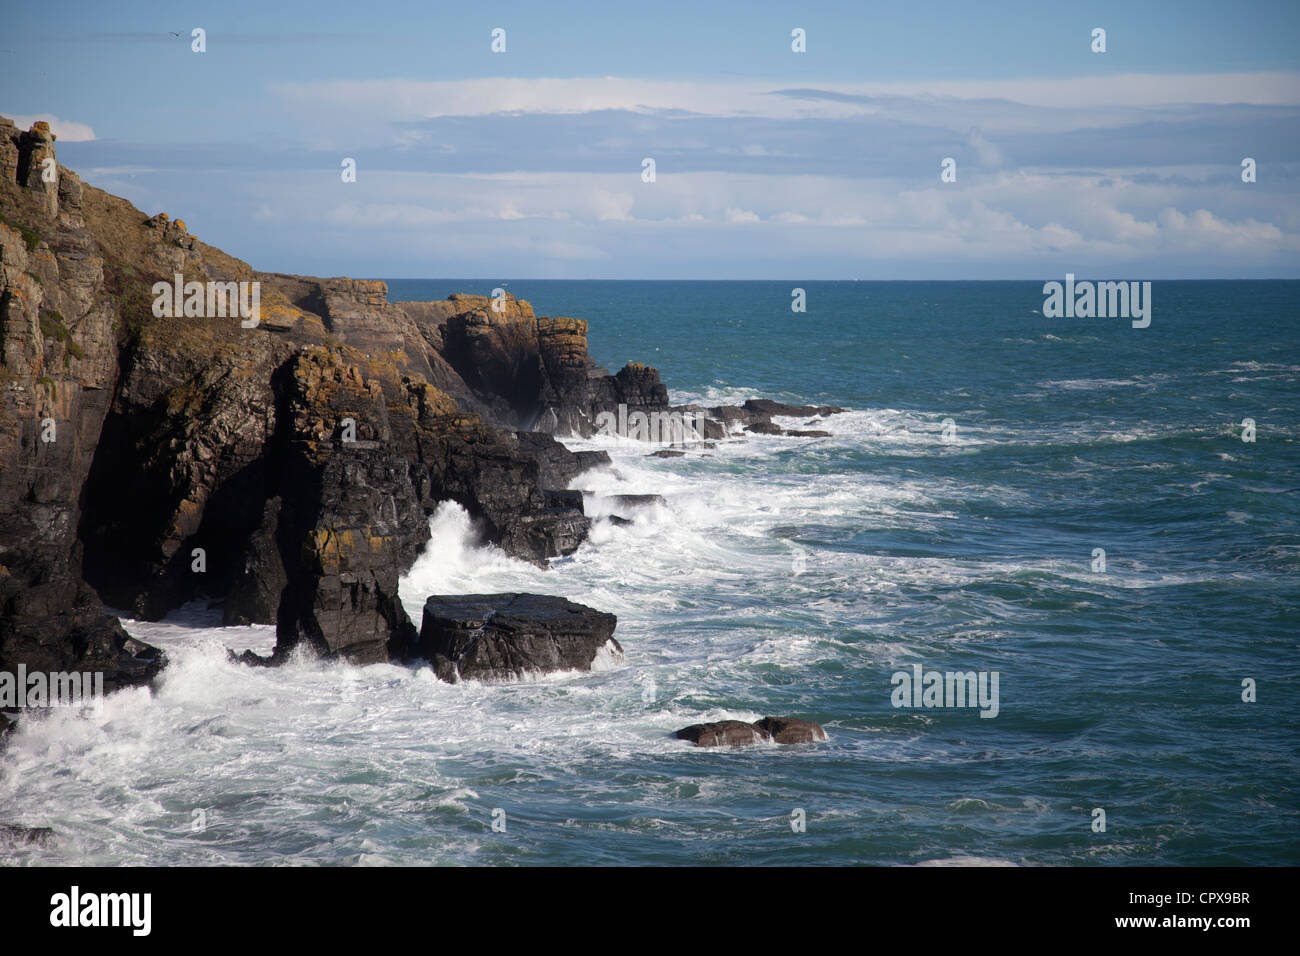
x: 1121, y: 690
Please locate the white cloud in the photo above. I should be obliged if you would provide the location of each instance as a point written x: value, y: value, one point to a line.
x: 989, y: 155
x: 384, y: 101
x: 1008, y: 217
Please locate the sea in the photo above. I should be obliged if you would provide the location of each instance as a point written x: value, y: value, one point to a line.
x: 1106, y: 518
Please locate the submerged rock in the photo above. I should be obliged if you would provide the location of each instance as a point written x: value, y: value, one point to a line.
x: 737, y: 733
x: 502, y: 636
x: 12, y: 836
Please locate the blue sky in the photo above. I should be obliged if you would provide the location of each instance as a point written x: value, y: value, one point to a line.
x: 769, y: 163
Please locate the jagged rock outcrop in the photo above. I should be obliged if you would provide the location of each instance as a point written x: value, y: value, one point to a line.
x: 737, y: 733
x: 58, y: 366
x: 525, y: 370
x: 518, y: 369
x: 559, y: 466
x: 502, y: 636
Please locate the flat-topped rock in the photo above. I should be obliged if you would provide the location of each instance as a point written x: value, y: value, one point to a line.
x: 765, y: 406
x: 503, y: 636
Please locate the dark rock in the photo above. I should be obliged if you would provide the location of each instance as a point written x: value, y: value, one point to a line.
x: 723, y: 733
x: 59, y: 362
x: 587, y: 460
x: 807, y: 433
x: 571, y: 500
x: 557, y: 466
x: 736, y: 733
x: 253, y: 659
x: 791, y: 730
x: 756, y: 416
x: 16, y: 836
x: 254, y: 595
x: 7, y: 725
x: 620, y: 522
x: 502, y: 636
x: 526, y: 371
x: 354, y: 523
x: 666, y: 453
x: 767, y: 407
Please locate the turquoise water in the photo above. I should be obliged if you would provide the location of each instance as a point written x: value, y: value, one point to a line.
x: 795, y: 576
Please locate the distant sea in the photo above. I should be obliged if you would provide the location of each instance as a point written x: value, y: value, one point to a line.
x: 794, y: 576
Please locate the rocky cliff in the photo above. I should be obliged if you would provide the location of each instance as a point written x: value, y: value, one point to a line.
x: 284, y: 467
x: 281, y: 459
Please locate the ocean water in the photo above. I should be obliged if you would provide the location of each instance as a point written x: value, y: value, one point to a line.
x: 795, y: 576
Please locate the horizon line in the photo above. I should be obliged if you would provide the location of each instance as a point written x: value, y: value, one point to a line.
x: 783, y: 281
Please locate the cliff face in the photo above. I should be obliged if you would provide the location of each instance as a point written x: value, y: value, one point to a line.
x: 286, y: 469
x: 529, y: 371
x: 59, y: 364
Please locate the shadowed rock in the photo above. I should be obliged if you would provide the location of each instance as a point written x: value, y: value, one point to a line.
x: 737, y: 733
x: 502, y: 636
x: 765, y: 406
x: 791, y: 730
x: 722, y: 733
x: 59, y: 361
